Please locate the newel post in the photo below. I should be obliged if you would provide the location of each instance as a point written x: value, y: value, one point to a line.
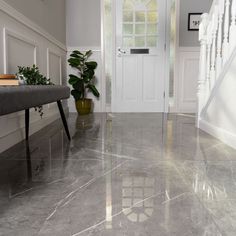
x: 201, y: 93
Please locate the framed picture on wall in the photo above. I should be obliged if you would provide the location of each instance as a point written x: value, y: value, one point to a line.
x: 194, y: 20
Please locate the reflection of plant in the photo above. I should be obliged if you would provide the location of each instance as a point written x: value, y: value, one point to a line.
x: 32, y: 76
x: 85, y: 78
x: 86, y: 127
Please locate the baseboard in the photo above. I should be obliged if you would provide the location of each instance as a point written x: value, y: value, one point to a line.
x: 17, y: 136
x: 221, y: 134
x: 108, y: 108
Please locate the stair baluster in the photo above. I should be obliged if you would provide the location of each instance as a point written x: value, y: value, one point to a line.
x: 213, y: 50
x: 219, y: 37
x: 232, y: 36
x: 203, y: 65
x: 209, y: 43
x: 226, y: 32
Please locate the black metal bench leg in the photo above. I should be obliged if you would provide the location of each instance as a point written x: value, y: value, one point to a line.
x: 63, y: 119
x: 27, y: 117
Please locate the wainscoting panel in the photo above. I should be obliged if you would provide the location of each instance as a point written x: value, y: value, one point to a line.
x: 54, y: 66
x: 187, y: 79
x: 22, y: 43
x: 97, y: 56
x: 18, y: 50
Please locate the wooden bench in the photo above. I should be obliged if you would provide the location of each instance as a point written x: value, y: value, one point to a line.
x: 18, y: 98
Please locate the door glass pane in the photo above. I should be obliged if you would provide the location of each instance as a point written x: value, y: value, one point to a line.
x: 144, y: 2
x: 127, y: 29
x: 140, y: 20
x: 128, y: 4
x: 152, y: 17
x: 152, y: 29
x: 139, y: 41
x: 140, y: 29
x: 127, y: 16
x: 128, y: 42
x: 151, y: 41
x: 140, y: 16
x: 152, y: 5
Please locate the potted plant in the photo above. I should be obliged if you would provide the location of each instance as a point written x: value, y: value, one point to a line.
x: 32, y: 76
x: 83, y: 81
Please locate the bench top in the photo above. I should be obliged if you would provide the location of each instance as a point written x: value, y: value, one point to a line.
x: 17, y: 98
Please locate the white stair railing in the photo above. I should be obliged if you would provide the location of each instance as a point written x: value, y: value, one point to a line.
x: 217, y: 36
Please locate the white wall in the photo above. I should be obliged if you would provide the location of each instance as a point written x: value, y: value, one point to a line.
x: 83, y: 20
x: 187, y: 56
x: 190, y: 38
x: 24, y: 43
x: 48, y: 14
x: 83, y: 23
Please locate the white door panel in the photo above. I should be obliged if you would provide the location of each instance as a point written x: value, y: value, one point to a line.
x: 150, y: 75
x: 130, y: 78
x: 140, y: 56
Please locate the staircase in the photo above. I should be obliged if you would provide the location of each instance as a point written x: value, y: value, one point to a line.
x: 217, y: 78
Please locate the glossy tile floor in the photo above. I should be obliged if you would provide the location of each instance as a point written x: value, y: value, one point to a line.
x: 121, y: 175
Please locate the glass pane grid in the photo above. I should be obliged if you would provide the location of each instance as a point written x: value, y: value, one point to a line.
x: 128, y: 16
x: 152, y: 5
x: 140, y: 35
x: 140, y: 16
x: 152, y: 35
x: 140, y: 27
x: 128, y: 4
x: 128, y: 29
x: 152, y: 16
x: 152, y: 28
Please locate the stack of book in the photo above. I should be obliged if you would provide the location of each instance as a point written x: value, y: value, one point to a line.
x: 8, y: 79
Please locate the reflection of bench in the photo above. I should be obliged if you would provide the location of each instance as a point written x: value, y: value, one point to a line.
x: 17, y: 98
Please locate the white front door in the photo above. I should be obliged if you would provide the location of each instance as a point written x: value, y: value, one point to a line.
x: 140, y: 56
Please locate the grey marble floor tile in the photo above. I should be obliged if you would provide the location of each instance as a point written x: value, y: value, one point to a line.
x: 121, y: 175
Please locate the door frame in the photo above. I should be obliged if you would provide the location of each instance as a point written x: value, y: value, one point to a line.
x: 167, y: 54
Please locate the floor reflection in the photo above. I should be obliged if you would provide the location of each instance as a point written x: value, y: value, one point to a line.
x: 122, y: 174
x: 38, y: 165
x: 136, y: 190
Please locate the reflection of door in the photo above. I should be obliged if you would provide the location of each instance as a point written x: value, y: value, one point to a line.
x: 137, y: 201
x: 140, y: 56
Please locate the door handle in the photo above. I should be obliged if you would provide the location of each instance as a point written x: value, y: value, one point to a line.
x: 120, y: 52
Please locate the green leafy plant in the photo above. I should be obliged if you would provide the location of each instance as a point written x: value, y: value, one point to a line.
x: 32, y: 76
x: 84, y: 80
